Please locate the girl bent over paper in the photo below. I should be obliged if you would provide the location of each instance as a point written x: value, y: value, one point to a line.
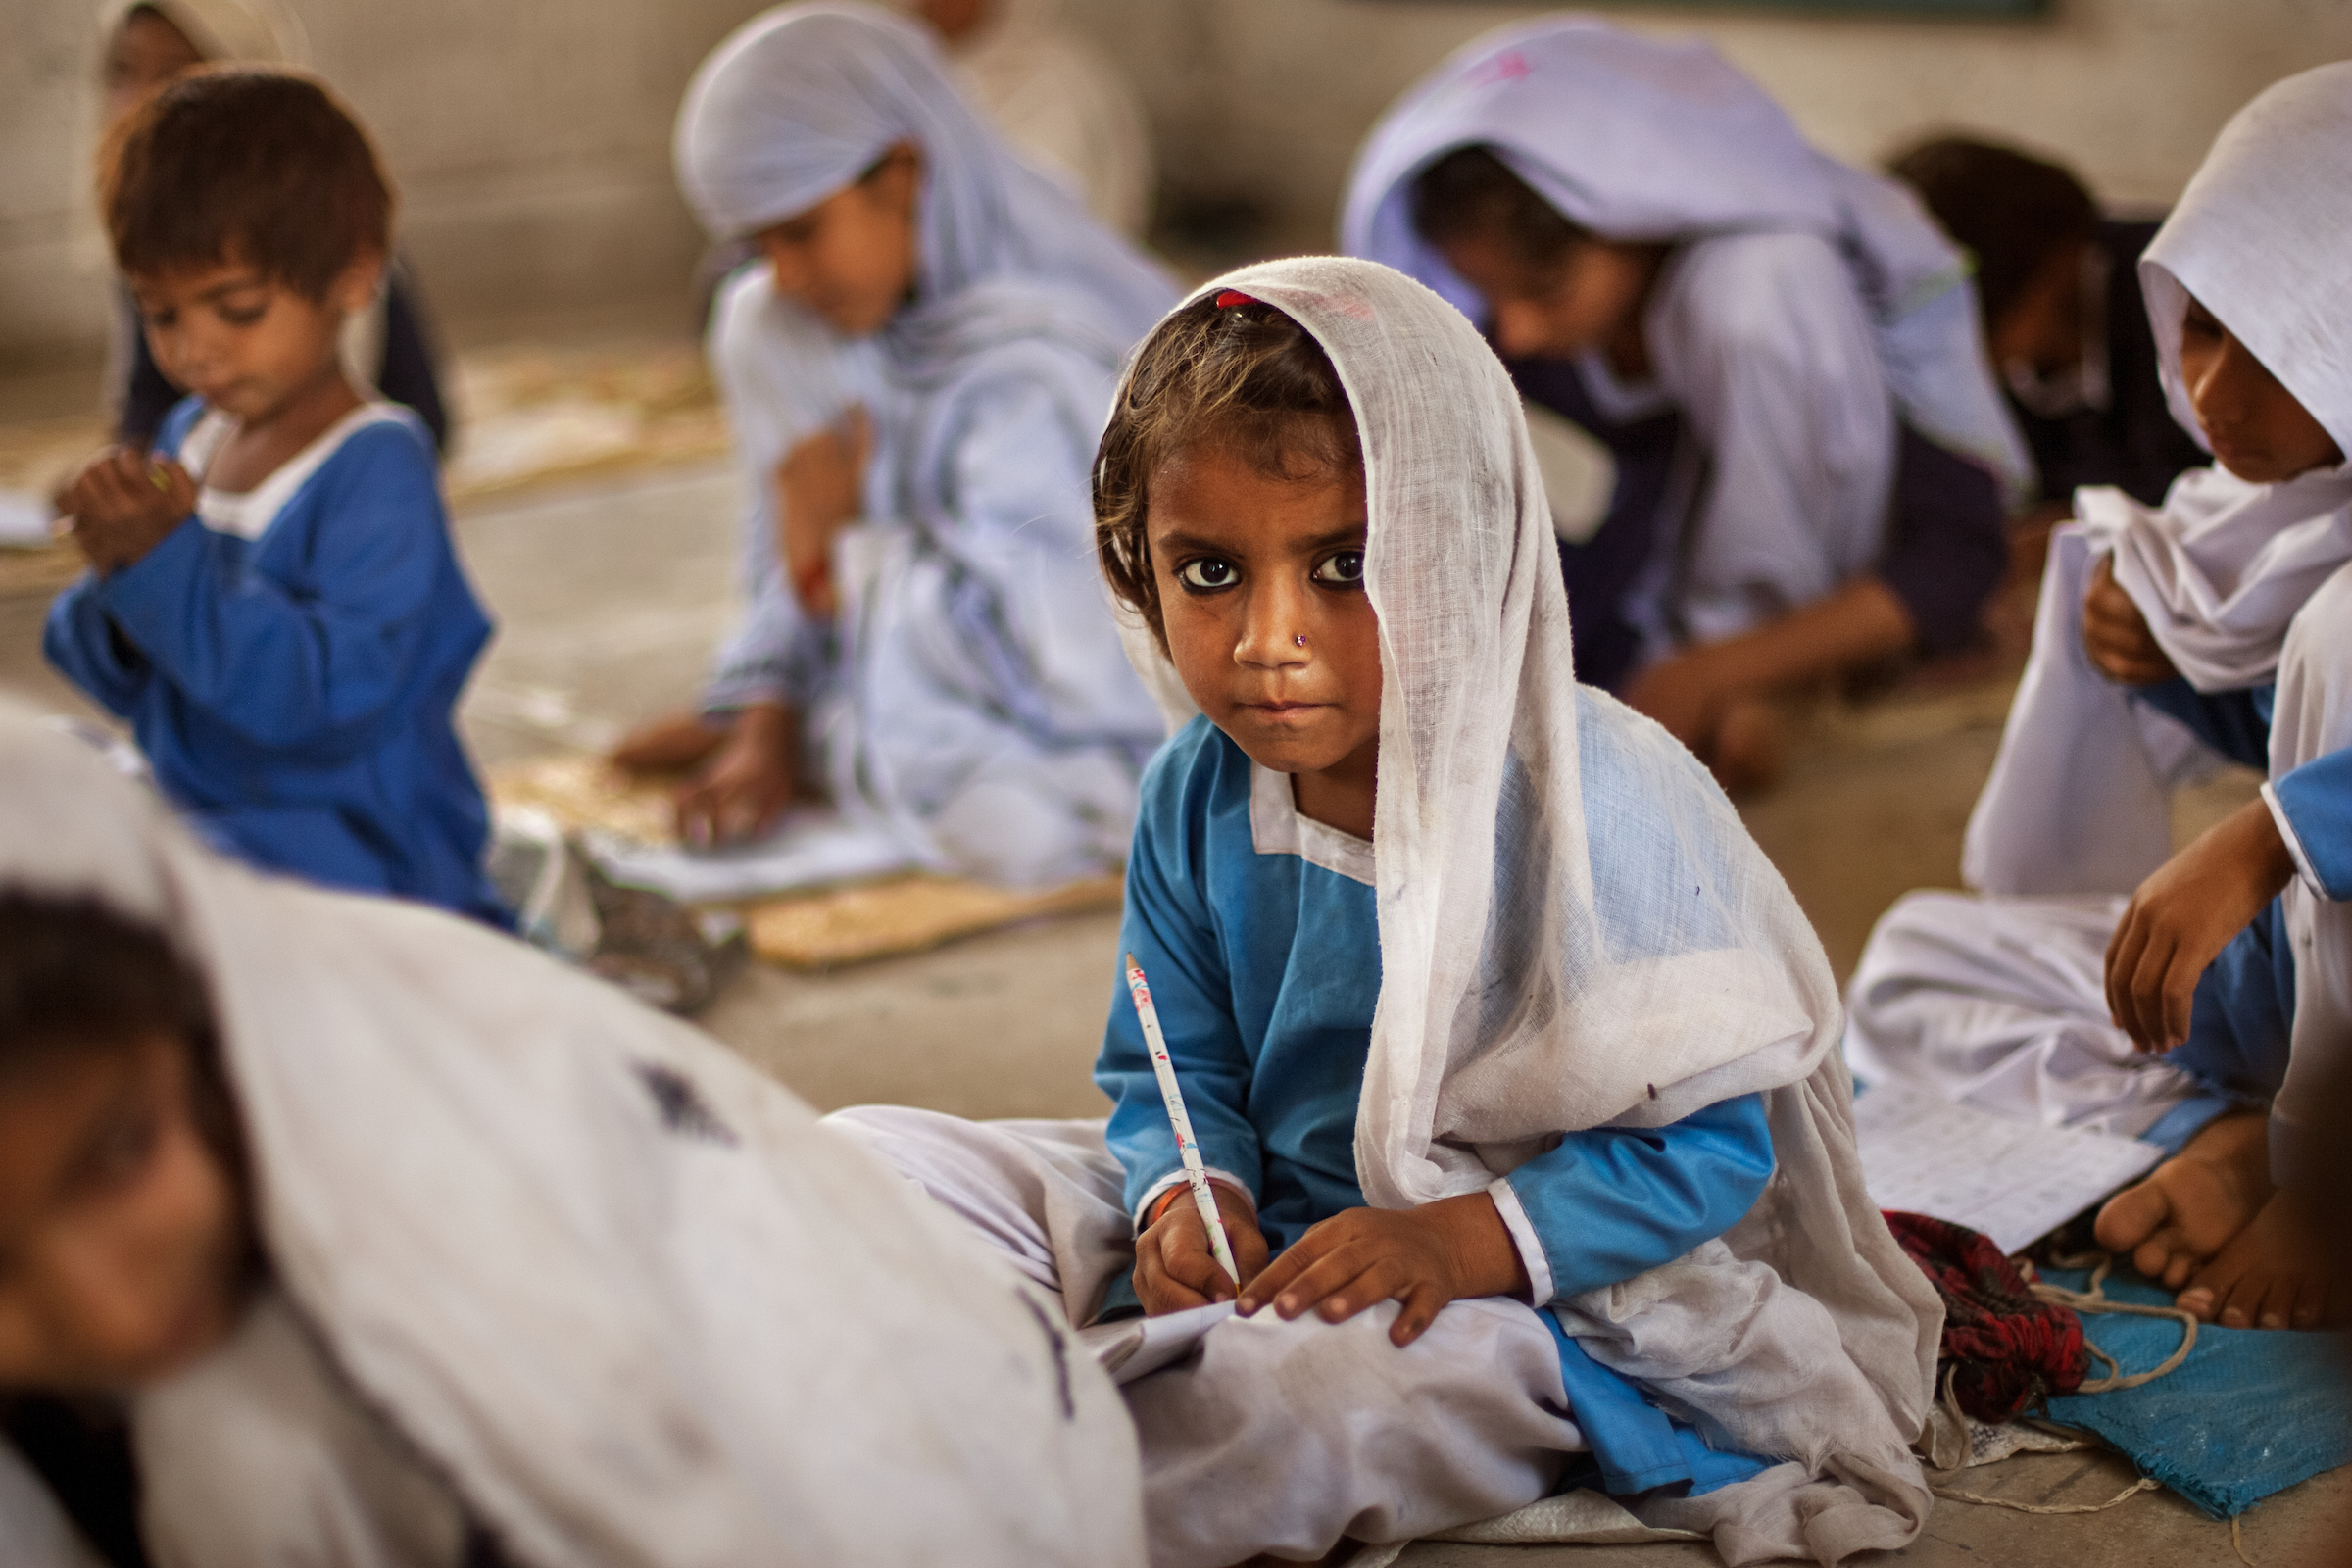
x: 1508, y: 1053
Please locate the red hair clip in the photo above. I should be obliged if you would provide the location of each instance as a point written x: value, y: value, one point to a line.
x: 1229, y: 298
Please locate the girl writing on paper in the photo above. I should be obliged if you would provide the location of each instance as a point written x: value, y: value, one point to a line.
x: 1780, y: 351
x: 385, y: 1240
x: 2168, y: 639
x: 916, y: 374
x: 1509, y: 1054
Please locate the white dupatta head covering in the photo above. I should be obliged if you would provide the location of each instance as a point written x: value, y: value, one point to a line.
x: 1575, y: 930
x: 259, y: 31
x: 1574, y: 927
x: 800, y: 101
x: 2260, y: 237
x: 1640, y: 139
x: 620, y: 1289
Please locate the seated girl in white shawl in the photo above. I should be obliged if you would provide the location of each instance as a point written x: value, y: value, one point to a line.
x: 391, y: 1242
x: 1515, y: 1071
x: 2218, y: 625
x: 916, y: 373
x: 1781, y: 353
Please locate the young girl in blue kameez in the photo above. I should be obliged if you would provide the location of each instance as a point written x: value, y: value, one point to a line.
x: 274, y: 601
x: 1509, y: 1051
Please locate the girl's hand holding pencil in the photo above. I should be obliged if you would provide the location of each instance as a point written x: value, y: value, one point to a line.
x: 1204, y: 1251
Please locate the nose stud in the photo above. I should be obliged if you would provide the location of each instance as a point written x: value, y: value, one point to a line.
x: 1299, y: 639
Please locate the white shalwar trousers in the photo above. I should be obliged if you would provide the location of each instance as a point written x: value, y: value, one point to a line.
x: 2001, y: 1004
x: 1277, y: 1438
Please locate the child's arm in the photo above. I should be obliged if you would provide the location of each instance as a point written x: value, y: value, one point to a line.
x: 2115, y: 634
x: 288, y: 668
x: 2183, y: 915
x: 1602, y: 1207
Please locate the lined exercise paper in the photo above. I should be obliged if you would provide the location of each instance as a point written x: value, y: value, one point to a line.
x: 2013, y: 1181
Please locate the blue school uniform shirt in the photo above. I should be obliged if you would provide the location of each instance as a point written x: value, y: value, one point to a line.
x: 293, y: 690
x: 1257, y: 930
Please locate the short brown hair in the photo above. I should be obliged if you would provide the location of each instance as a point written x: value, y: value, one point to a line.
x: 1240, y: 376
x: 264, y: 167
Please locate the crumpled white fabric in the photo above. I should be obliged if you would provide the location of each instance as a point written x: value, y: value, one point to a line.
x: 2077, y: 800
x: 1544, y: 971
x: 800, y: 101
x: 1638, y: 139
x: 623, y: 1291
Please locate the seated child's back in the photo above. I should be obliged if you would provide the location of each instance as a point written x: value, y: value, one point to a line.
x: 274, y: 601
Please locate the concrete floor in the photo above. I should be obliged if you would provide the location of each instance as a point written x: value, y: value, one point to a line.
x: 608, y: 596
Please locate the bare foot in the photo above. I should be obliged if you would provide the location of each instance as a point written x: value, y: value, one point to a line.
x: 2191, y: 1206
x: 670, y: 744
x: 2273, y: 1274
x: 1750, y: 747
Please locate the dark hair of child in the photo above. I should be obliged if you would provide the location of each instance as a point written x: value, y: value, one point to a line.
x: 262, y: 167
x: 1243, y: 378
x: 1471, y: 194
x: 2011, y: 211
x: 75, y: 977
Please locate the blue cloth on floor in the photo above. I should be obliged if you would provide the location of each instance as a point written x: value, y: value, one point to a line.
x: 2251, y: 1411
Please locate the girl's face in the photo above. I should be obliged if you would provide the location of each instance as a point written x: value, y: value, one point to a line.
x: 244, y: 342
x: 850, y: 258
x: 2256, y: 427
x: 1592, y: 296
x: 1261, y: 597
x: 122, y: 1236
x: 146, y: 52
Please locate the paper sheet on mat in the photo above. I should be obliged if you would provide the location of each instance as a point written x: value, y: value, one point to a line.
x: 810, y: 848
x: 1133, y: 1346
x: 2013, y: 1181
x: 24, y: 521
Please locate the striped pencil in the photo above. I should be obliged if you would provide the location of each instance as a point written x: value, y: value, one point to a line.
x: 1186, y: 1148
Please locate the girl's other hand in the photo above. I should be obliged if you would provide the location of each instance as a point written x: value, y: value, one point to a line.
x: 2116, y: 636
x: 747, y: 786
x: 1687, y: 694
x: 1174, y: 1269
x: 2181, y: 917
x: 820, y: 487
x: 1449, y: 1250
x: 123, y: 503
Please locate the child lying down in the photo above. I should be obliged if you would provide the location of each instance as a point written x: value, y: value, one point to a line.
x: 1511, y: 1054
x: 398, y: 1244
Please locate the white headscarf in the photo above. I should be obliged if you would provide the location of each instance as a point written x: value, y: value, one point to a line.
x: 800, y: 101
x: 1638, y: 139
x: 1575, y: 930
x: 259, y: 31
x: 2077, y: 797
x: 617, y: 1288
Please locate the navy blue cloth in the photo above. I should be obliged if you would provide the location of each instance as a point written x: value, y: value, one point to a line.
x: 295, y: 693
x: 2234, y: 723
x: 1946, y: 544
x: 1265, y: 971
x: 2133, y: 443
x: 407, y: 374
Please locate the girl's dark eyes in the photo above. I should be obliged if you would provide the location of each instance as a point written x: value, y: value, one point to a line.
x: 244, y: 314
x: 1207, y: 574
x: 1342, y: 569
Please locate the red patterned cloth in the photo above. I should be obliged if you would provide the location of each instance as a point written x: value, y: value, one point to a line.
x: 2005, y: 1351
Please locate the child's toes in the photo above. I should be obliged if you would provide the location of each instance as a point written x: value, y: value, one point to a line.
x: 2197, y: 1302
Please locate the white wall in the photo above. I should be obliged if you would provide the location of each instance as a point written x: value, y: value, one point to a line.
x: 530, y: 137
x: 529, y: 140
x: 1271, y: 96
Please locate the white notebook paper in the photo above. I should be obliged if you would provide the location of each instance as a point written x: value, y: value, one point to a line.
x: 2013, y: 1181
